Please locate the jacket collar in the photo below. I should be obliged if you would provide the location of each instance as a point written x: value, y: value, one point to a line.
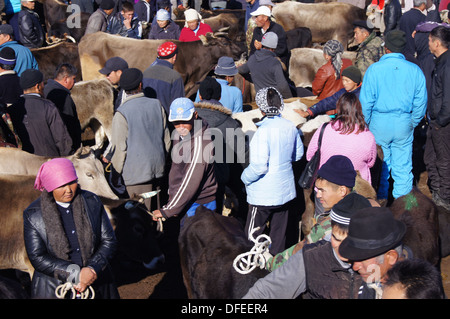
x: 443, y: 56
x: 132, y: 97
x: 392, y: 56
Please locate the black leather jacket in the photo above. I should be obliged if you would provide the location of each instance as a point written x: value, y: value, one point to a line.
x: 51, y: 271
x: 439, y: 97
x: 31, y: 32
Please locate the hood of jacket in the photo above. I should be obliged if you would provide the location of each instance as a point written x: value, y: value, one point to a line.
x: 214, y: 114
x: 263, y: 54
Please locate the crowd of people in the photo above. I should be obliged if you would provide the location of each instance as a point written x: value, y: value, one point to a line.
x: 163, y: 140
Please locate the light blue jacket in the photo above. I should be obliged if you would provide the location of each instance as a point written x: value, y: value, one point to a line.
x: 269, y: 178
x: 392, y: 86
x: 231, y: 96
x: 24, y: 58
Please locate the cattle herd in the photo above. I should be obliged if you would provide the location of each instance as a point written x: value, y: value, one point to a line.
x: 205, y: 257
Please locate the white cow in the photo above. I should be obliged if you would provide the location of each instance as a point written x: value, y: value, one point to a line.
x: 248, y: 119
x: 94, y: 101
x: 89, y: 169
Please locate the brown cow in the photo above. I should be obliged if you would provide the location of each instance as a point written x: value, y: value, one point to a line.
x: 332, y: 20
x: 420, y: 215
x: 17, y: 194
x: 48, y: 58
x: 230, y: 23
x: 56, y: 15
x: 194, y: 61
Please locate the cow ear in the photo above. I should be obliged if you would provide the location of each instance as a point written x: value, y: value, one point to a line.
x: 78, y: 152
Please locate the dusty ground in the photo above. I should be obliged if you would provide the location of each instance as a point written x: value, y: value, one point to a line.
x: 154, y: 286
x: 167, y: 284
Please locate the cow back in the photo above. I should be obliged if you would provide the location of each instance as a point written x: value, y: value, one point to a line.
x: 327, y: 20
x: 48, y: 58
x: 420, y: 215
x: 17, y: 194
x: 208, y: 244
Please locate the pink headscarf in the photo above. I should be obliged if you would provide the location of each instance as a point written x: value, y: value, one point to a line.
x: 55, y: 173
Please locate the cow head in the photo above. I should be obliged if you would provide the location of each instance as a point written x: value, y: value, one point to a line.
x: 90, y: 173
x: 136, y: 236
x: 222, y: 45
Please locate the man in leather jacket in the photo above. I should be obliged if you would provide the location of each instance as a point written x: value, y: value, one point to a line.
x: 125, y: 23
x: 31, y: 32
x: 68, y: 235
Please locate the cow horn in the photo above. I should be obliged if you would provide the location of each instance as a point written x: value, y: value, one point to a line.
x: 224, y: 29
x: 203, y: 39
x: 68, y: 37
x: 220, y: 34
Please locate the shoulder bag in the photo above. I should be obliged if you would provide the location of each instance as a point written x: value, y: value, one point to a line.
x: 309, y: 174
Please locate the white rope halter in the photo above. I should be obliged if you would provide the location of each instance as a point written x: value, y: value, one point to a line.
x: 257, y: 256
x: 62, y: 290
x: 142, y: 197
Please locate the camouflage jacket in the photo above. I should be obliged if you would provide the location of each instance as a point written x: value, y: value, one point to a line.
x: 369, y: 52
x: 320, y: 230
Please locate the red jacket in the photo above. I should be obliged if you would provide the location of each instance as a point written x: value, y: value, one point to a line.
x: 187, y: 35
x: 325, y: 83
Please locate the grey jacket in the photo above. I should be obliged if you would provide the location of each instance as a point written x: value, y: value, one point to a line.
x: 266, y: 71
x: 140, y: 139
x: 98, y: 21
x: 40, y: 127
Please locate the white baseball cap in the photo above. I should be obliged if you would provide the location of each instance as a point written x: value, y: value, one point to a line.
x: 262, y: 10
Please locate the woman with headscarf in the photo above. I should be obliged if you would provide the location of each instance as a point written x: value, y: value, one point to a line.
x: 193, y: 27
x: 164, y: 28
x: 68, y: 235
x: 328, y: 78
x: 269, y: 178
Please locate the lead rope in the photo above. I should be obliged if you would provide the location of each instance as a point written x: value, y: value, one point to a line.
x: 142, y: 197
x: 257, y: 256
x: 62, y: 290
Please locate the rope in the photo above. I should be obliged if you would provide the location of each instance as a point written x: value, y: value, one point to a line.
x: 257, y: 256
x: 159, y: 227
x: 62, y: 290
x: 139, y: 203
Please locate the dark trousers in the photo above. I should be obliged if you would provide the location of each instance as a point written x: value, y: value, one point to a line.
x: 437, y: 159
x: 150, y: 203
x: 277, y: 215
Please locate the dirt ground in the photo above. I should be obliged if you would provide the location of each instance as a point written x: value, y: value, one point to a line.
x: 167, y: 283
x: 162, y: 286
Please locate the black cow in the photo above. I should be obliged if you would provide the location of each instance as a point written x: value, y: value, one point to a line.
x: 56, y: 18
x: 208, y: 244
x: 137, y: 243
x: 298, y: 38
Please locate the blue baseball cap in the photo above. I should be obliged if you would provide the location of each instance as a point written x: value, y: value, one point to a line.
x: 181, y: 109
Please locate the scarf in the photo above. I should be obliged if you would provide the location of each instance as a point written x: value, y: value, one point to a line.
x: 56, y: 235
x: 335, y: 49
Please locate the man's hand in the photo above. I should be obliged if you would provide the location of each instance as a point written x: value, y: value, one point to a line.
x: 258, y: 45
x: 302, y: 113
x: 157, y: 215
x: 127, y: 22
x: 87, y: 278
